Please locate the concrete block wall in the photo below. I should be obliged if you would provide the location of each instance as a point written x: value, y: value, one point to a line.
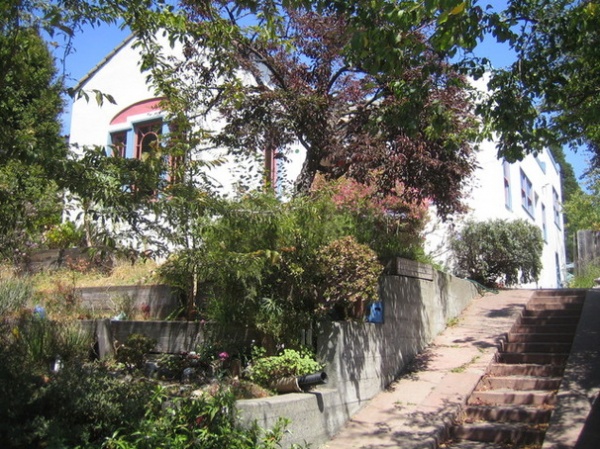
x: 363, y: 358
x: 155, y: 301
x: 171, y: 336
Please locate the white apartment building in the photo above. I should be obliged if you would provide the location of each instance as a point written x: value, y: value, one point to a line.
x: 529, y: 190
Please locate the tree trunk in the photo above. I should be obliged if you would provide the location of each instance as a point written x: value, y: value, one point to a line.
x: 310, y: 168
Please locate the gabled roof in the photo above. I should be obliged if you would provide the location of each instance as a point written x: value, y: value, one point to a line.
x: 103, y: 62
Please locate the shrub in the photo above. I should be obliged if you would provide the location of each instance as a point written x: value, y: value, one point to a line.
x: 498, y: 252
x: 290, y: 363
x: 206, y: 422
x: 390, y: 224
x: 79, y: 406
x: 255, y: 267
x: 586, y: 276
x: 132, y: 353
x: 350, y: 276
x: 64, y: 235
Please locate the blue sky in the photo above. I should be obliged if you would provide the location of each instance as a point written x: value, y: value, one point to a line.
x: 93, y: 44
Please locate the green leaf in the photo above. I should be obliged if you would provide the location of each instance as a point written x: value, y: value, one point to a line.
x: 458, y: 9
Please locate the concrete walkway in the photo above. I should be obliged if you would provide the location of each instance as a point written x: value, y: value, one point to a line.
x: 414, y: 413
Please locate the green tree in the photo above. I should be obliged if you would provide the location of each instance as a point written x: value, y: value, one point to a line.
x: 570, y: 190
x: 498, y: 252
x: 583, y: 208
x: 548, y: 96
x: 30, y: 141
x: 283, y: 77
x: 36, y: 166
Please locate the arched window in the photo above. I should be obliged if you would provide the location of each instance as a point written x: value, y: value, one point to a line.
x: 147, y: 137
x: 136, y: 129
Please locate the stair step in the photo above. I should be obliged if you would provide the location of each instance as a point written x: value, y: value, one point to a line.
x: 519, y: 383
x: 580, y: 292
x: 539, y: 347
x: 532, y: 357
x: 499, y: 433
x: 568, y: 306
x: 550, y: 313
x: 517, y: 337
x: 524, y: 369
x: 465, y: 444
x: 568, y: 320
x: 522, y: 414
x: 562, y: 299
x: 514, y: 397
x: 534, y: 329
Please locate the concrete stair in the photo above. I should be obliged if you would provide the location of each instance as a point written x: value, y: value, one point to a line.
x: 513, y: 402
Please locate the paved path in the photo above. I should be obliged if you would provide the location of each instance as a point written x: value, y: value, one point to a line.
x: 414, y: 411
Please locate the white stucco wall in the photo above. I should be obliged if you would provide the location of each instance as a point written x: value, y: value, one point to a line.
x: 119, y: 75
x: 487, y: 201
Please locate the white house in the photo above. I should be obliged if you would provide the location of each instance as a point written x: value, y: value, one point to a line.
x: 529, y: 189
x: 136, y: 120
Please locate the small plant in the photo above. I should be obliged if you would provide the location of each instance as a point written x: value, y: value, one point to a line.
x: 62, y: 300
x: 133, y: 352
x: 464, y: 366
x: 453, y: 321
x: 14, y: 294
x: 586, y: 277
x: 350, y: 277
x: 207, y: 422
x: 125, y: 306
x: 64, y: 235
x: 290, y: 363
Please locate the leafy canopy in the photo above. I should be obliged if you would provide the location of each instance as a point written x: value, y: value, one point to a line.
x: 498, y: 252
x: 30, y: 141
x: 280, y: 75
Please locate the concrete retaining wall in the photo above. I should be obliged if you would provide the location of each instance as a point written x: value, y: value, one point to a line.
x: 154, y: 302
x: 53, y: 259
x: 363, y: 358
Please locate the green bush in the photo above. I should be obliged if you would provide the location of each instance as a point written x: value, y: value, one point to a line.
x: 290, y: 363
x: 206, y: 422
x: 498, y: 252
x: 51, y: 397
x: 64, y: 235
x: 133, y: 352
x: 350, y: 276
x: 586, y: 277
x: 78, y: 406
x: 258, y: 265
x: 255, y: 267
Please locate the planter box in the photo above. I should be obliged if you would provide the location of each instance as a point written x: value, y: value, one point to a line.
x: 53, y: 259
x: 172, y: 337
x: 148, y: 301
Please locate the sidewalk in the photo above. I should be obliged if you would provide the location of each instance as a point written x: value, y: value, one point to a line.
x: 415, y: 410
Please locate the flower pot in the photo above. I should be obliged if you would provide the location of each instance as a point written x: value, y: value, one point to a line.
x: 286, y: 385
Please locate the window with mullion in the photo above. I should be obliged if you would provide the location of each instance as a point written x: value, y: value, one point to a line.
x: 507, y: 189
x: 527, y: 195
x: 118, y: 142
x: 147, y: 137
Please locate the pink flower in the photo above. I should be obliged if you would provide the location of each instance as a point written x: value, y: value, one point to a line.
x: 223, y: 355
